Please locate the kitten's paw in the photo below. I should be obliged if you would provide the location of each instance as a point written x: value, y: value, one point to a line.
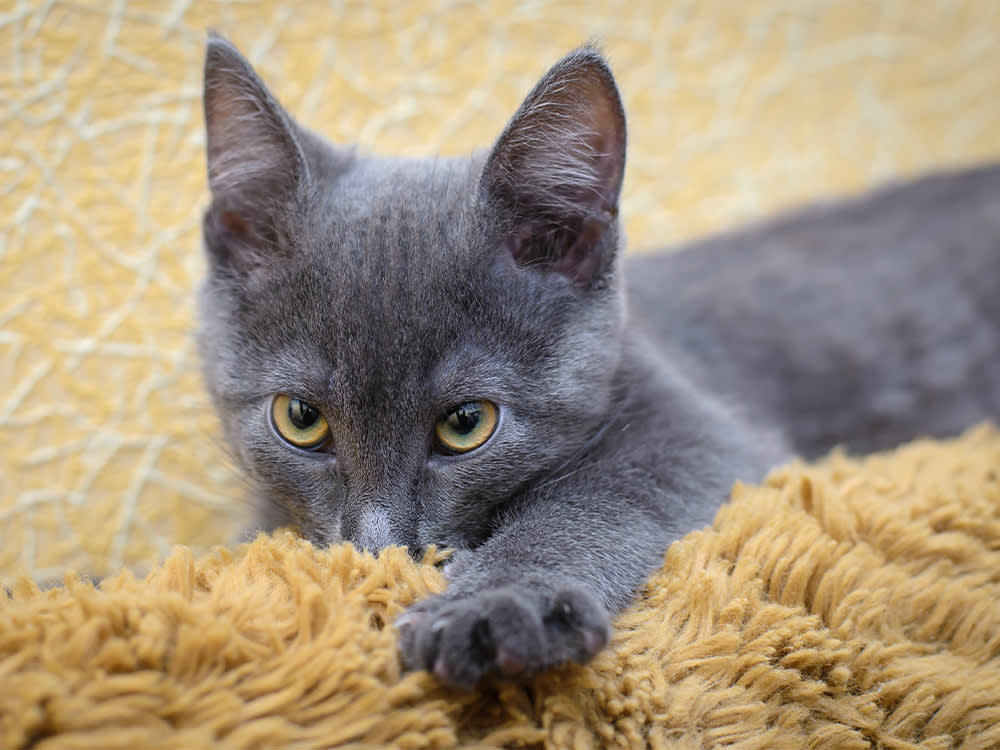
x: 509, y: 631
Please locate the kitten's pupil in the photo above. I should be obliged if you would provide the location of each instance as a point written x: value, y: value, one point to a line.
x: 301, y: 414
x: 463, y: 419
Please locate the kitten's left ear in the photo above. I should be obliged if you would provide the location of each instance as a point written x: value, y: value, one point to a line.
x: 256, y: 165
x: 555, y: 173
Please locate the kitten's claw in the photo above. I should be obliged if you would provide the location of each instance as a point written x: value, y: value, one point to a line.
x: 508, y: 631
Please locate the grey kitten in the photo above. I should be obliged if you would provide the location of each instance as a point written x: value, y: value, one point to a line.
x: 439, y: 351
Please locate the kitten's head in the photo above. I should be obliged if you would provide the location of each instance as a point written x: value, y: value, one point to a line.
x: 398, y: 347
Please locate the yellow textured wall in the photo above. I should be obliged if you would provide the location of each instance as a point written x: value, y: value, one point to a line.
x: 108, y: 447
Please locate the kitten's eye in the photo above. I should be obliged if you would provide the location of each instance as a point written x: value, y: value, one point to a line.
x: 298, y: 423
x: 466, y: 426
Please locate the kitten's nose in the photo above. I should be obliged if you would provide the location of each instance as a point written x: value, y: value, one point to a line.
x: 375, y: 522
x: 373, y: 530
x: 381, y: 504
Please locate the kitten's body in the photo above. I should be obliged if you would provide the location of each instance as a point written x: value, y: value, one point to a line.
x: 383, y: 293
x: 862, y: 323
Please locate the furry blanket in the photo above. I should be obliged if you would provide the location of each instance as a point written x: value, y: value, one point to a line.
x: 846, y: 604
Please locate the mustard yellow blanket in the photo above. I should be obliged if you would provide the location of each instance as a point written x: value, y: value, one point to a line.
x: 846, y: 604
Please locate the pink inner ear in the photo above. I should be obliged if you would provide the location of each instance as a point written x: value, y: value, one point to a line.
x: 518, y: 245
x: 608, y: 172
x: 574, y: 256
x: 606, y: 145
x: 580, y: 263
x: 234, y: 224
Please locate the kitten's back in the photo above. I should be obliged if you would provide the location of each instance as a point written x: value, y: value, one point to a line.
x: 864, y: 322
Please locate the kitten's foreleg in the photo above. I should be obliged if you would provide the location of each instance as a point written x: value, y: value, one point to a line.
x: 539, y: 592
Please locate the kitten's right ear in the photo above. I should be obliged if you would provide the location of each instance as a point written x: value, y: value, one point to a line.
x: 555, y: 173
x: 255, y: 164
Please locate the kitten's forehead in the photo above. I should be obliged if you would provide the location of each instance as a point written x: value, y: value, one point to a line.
x: 386, y: 271
x: 393, y: 233
x: 398, y: 286
x: 419, y: 195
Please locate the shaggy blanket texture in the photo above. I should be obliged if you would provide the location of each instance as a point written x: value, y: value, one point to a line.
x: 845, y: 604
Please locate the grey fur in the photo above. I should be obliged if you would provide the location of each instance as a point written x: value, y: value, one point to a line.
x: 385, y: 291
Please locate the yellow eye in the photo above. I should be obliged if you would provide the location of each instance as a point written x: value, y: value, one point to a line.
x: 298, y: 423
x: 466, y: 426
